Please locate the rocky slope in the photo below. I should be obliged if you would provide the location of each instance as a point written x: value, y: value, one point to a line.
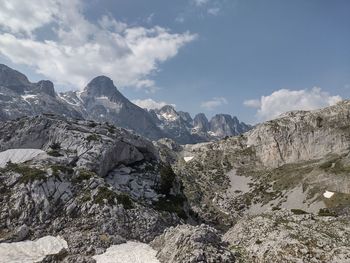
x: 94, y: 185
x: 102, y: 102
x: 282, y: 236
x: 298, y: 161
x: 187, y: 243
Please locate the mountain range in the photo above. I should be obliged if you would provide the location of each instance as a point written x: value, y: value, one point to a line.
x: 77, y: 187
x: 101, y: 101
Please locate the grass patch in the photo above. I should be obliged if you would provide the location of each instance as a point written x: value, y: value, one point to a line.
x: 83, y: 175
x: 110, y: 196
x: 29, y: 174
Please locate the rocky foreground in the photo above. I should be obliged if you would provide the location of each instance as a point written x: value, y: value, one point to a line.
x: 279, y: 193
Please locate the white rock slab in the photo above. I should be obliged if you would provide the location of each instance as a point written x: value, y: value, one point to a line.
x: 31, y: 251
x: 19, y: 155
x: 328, y: 194
x: 130, y: 252
x: 188, y: 158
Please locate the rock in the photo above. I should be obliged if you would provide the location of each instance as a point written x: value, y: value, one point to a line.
x: 21, y: 233
x: 281, y: 236
x: 186, y: 243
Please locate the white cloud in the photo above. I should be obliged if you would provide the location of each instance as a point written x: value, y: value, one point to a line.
x: 200, y: 2
x: 80, y: 49
x: 213, y: 103
x: 283, y: 100
x: 213, y: 11
x: 151, y: 104
x: 252, y: 103
x: 22, y: 17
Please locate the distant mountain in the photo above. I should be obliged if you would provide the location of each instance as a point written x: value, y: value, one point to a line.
x: 19, y: 97
x: 101, y: 101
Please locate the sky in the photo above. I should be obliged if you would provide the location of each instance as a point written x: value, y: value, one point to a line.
x: 249, y: 58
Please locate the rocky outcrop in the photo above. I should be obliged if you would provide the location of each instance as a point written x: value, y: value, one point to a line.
x: 186, y: 243
x: 302, y: 135
x: 96, y: 186
x: 282, y: 236
x: 86, y: 144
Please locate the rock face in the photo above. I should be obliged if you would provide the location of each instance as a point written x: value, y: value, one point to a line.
x: 201, y: 123
x: 187, y: 243
x: 222, y: 125
x: 96, y: 186
x: 299, y: 136
x: 282, y: 236
x: 102, y: 102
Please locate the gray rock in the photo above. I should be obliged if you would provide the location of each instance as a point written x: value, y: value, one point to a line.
x: 186, y: 243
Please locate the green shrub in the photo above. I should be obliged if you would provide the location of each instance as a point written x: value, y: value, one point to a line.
x: 110, y: 196
x: 83, y: 175
x: 326, y: 212
x: 167, y: 178
x: 54, y: 153
x: 62, y: 168
x: 172, y: 204
x: 125, y: 200
x: 298, y: 212
x: 93, y: 137
x: 55, y: 146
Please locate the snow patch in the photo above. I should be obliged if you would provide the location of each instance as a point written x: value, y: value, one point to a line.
x: 130, y: 252
x: 31, y: 251
x: 188, y: 158
x: 328, y: 194
x: 167, y: 116
x: 19, y: 155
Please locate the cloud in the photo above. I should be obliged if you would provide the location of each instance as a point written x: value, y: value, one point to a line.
x: 151, y: 104
x: 200, y: 2
x: 79, y: 49
x: 283, y: 100
x: 213, y: 11
x: 213, y: 103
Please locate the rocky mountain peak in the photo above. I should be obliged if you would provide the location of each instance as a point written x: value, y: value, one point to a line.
x: 46, y: 86
x: 201, y: 123
x: 12, y: 79
x: 185, y: 116
x: 101, y: 86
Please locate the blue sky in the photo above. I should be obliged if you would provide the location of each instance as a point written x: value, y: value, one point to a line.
x: 201, y: 55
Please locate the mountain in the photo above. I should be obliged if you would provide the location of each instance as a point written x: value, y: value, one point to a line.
x: 180, y: 126
x: 101, y: 101
x: 19, y: 97
x: 83, y: 191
